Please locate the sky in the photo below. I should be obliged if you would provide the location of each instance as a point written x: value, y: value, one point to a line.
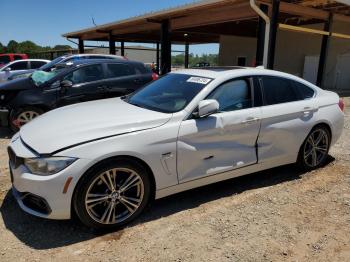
x: 44, y: 21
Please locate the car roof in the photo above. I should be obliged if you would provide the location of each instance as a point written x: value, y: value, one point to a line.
x: 219, y: 72
x: 82, y: 55
x: 97, y: 61
x: 26, y: 60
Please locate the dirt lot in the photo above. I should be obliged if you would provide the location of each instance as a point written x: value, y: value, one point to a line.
x: 276, y: 215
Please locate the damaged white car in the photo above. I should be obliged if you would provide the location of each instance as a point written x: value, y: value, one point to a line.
x: 105, y: 160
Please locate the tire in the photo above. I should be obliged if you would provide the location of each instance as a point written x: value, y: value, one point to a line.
x: 20, y: 117
x: 314, y: 151
x: 102, y: 207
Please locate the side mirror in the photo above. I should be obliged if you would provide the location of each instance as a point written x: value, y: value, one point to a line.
x: 7, y: 69
x: 207, y: 107
x: 64, y: 85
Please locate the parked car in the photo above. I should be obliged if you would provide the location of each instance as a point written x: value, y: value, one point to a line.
x: 64, y: 59
x: 105, y: 160
x: 20, y: 66
x: 69, y: 83
x: 7, y: 58
x: 202, y: 64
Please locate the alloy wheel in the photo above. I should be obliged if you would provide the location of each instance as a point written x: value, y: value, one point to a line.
x: 316, y: 147
x: 114, y: 195
x: 25, y: 117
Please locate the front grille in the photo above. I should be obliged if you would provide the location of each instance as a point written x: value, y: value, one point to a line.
x: 14, y: 160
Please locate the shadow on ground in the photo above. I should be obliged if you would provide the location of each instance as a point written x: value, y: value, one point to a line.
x: 5, y: 132
x: 44, y: 234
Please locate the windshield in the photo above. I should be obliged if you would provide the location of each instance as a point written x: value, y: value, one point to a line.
x: 171, y: 93
x: 39, y: 77
x: 48, y: 66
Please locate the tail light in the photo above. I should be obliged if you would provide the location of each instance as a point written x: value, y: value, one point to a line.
x: 155, y: 76
x: 341, y: 104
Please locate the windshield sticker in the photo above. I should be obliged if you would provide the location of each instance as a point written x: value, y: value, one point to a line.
x: 199, y: 80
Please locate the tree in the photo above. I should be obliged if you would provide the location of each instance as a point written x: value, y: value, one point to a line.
x: 62, y: 47
x: 28, y: 47
x: 2, y: 48
x: 12, y: 47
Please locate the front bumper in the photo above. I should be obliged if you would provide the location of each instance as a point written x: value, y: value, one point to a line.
x: 43, y: 196
x: 4, y: 116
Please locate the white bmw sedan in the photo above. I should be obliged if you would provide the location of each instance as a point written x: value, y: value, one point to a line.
x: 105, y: 160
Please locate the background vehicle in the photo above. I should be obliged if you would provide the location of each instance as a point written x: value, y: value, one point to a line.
x: 7, y: 58
x: 20, y: 66
x: 62, y: 59
x: 70, y: 83
x: 188, y: 129
x: 202, y: 64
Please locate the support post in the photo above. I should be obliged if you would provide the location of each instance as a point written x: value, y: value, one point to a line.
x: 165, y: 64
x: 81, y: 46
x: 186, y: 53
x: 324, y: 51
x: 157, y: 58
x: 111, y: 45
x: 122, y: 48
x: 259, y: 58
x: 273, y: 33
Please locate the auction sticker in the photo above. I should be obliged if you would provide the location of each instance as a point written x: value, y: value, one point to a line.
x: 199, y: 80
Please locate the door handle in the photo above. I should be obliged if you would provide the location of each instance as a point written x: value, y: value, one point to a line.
x: 138, y: 81
x: 308, y: 110
x: 250, y: 120
x: 102, y: 88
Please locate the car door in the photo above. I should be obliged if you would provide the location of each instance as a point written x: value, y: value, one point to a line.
x: 287, y: 117
x: 87, y: 84
x: 122, y: 79
x: 223, y: 141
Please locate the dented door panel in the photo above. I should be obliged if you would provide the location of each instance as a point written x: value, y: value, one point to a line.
x: 217, y: 143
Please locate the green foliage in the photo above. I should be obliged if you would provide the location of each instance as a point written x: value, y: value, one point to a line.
x: 12, y: 47
x: 2, y: 48
x: 29, y: 47
x: 62, y: 47
x: 179, y: 60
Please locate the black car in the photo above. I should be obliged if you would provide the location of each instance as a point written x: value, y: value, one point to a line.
x: 79, y: 81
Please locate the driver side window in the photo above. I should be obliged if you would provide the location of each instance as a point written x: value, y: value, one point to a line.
x: 85, y: 74
x: 233, y: 95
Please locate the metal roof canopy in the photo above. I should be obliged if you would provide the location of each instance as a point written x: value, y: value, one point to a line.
x: 205, y: 21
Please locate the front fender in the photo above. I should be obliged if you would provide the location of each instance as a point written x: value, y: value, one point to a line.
x: 156, y: 147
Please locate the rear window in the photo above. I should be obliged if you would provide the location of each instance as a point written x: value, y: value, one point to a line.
x: 303, y: 91
x: 36, y: 64
x: 4, y: 59
x: 17, y: 57
x: 119, y: 70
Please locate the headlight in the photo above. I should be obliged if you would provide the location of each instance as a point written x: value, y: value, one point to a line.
x: 47, y: 166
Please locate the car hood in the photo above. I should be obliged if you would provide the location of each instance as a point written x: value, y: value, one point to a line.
x: 85, y: 122
x: 17, y: 84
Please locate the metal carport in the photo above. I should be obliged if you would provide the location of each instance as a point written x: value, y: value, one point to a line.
x: 205, y: 21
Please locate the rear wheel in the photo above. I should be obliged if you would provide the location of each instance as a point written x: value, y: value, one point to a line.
x: 112, y: 195
x: 314, y: 151
x: 20, y: 117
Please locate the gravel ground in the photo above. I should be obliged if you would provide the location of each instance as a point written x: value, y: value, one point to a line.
x: 275, y: 215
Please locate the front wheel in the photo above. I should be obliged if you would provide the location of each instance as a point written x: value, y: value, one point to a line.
x: 112, y: 194
x: 20, y: 117
x: 314, y: 151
